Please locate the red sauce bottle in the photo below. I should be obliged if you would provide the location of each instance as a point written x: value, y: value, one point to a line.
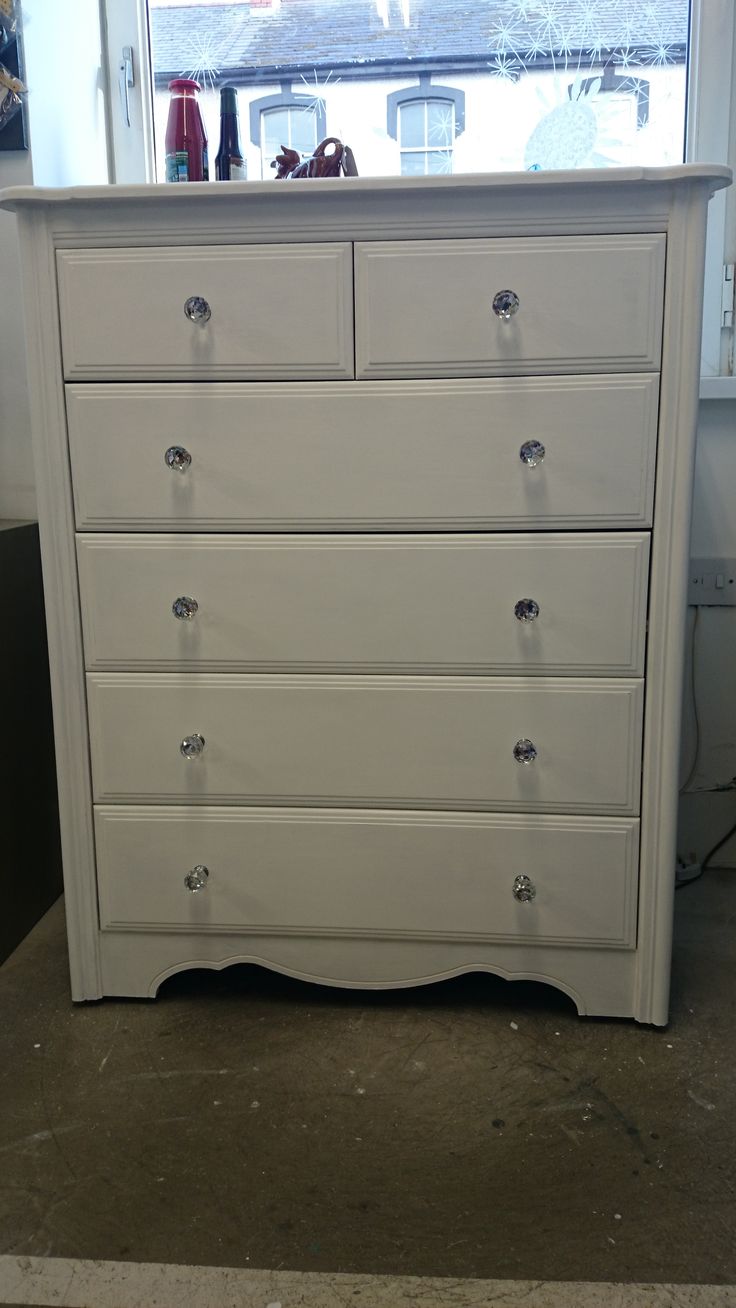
x: 186, y: 139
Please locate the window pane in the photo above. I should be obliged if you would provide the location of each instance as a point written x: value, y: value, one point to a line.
x: 412, y: 125
x: 303, y: 130
x: 291, y: 127
x: 439, y: 161
x: 616, y: 114
x: 275, y: 131
x: 413, y: 164
x: 560, y: 84
x: 440, y: 122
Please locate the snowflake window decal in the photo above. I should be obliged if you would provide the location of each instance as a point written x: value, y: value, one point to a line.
x: 206, y: 53
x: 203, y: 60
x: 442, y: 127
x: 589, y: 51
x: 318, y: 89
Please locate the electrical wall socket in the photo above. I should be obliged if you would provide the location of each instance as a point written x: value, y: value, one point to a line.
x: 712, y: 581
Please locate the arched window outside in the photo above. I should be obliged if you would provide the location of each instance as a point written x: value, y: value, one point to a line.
x: 426, y: 136
x: 294, y: 126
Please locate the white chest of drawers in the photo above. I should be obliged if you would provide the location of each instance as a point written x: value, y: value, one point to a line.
x: 365, y: 586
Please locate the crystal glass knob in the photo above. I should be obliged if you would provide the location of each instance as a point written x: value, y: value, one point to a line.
x: 526, y: 610
x: 524, y: 889
x: 197, y: 879
x: 525, y: 751
x: 178, y: 458
x: 185, y: 608
x: 196, y: 309
x: 192, y: 746
x: 532, y: 453
x: 505, y: 304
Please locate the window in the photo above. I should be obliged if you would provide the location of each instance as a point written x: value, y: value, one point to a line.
x: 611, y: 88
x: 287, y: 125
x: 425, y: 119
x: 288, y: 118
x: 556, y: 85
x: 426, y: 137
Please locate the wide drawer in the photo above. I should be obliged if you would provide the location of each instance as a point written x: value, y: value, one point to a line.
x: 425, y: 308
x: 408, y: 875
x: 275, y: 311
x: 562, y: 603
x: 377, y: 741
x: 373, y: 454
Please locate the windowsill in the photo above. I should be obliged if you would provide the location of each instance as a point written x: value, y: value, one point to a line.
x: 718, y: 388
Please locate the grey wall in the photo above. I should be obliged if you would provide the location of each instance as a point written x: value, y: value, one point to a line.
x: 704, y: 817
x: 17, y: 494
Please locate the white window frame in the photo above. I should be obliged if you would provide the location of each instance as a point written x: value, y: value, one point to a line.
x: 130, y: 148
x: 711, y: 103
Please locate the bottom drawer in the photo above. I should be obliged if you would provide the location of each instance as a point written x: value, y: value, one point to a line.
x: 326, y: 872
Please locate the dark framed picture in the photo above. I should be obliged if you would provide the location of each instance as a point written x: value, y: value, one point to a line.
x: 13, y: 127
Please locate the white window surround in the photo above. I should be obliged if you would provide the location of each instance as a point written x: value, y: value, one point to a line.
x: 710, y: 101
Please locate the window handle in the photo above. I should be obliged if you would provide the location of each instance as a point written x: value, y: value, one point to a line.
x: 126, y: 80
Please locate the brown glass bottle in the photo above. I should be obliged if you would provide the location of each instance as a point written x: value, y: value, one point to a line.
x: 229, y: 161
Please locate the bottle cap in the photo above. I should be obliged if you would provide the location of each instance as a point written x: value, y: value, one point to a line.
x: 228, y: 100
x: 184, y: 84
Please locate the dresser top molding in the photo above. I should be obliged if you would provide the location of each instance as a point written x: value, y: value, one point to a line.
x: 717, y: 174
x: 355, y: 208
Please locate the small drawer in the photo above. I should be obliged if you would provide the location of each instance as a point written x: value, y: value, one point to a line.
x: 526, y: 453
x: 545, y: 880
x: 529, y: 744
x: 527, y: 305
x: 562, y: 603
x: 207, y: 311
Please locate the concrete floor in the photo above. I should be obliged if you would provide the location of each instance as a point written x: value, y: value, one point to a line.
x: 472, y: 1129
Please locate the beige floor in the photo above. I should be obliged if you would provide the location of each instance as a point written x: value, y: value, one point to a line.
x: 74, y: 1284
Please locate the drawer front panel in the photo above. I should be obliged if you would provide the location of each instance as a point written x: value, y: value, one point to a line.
x: 424, y: 308
x: 367, y: 603
x: 384, y: 454
x: 329, y: 872
x: 276, y: 311
x: 377, y: 741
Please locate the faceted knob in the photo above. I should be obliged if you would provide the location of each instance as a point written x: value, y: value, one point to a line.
x: 505, y: 304
x: 525, y: 751
x: 192, y: 746
x: 185, y: 608
x: 197, y: 879
x: 526, y: 610
x: 532, y: 453
x: 178, y: 458
x: 196, y: 309
x: 523, y: 889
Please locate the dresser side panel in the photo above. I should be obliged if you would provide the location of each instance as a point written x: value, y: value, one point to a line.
x: 668, y: 598
x: 56, y: 526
